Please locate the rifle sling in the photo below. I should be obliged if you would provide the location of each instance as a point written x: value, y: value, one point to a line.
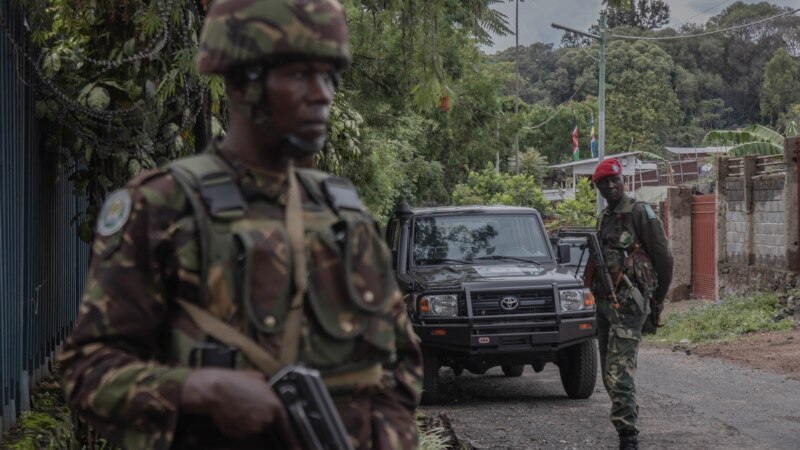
x: 365, y: 376
x: 232, y: 337
x: 296, y: 233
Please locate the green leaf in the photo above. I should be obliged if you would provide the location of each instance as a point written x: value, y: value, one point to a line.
x: 134, y: 167
x: 52, y: 63
x: 756, y: 148
x: 765, y: 134
x: 129, y: 48
x: 150, y: 91
x: 98, y: 98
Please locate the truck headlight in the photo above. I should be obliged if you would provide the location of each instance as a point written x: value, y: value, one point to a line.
x: 438, y: 305
x: 576, y: 300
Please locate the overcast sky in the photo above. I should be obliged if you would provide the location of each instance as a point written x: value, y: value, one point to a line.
x: 535, y: 17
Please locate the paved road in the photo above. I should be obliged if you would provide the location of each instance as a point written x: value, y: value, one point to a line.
x: 686, y: 402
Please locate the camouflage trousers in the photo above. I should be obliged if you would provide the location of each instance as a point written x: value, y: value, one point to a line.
x: 618, y: 339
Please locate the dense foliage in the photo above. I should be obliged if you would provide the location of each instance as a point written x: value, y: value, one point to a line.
x: 489, y: 187
x: 423, y: 110
x: 669, y: 91
x: 579, y: 211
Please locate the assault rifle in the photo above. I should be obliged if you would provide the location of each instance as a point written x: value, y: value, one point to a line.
x: 597, y: 257
x: 311, y: 410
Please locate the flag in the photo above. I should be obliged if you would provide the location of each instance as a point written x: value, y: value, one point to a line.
x: 575, y: 154
x: 593, y: 138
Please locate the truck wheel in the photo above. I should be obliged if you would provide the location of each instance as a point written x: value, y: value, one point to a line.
x: 577, y: 366
x: 513, y: 371
x: 430, y: 376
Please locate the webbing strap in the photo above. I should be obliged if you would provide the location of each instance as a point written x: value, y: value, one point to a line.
x: 296, y: 232
x: 266, y: 363
x: 226, y: 334
x: 185, y: 180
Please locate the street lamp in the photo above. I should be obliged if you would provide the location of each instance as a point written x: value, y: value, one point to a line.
x: 601, y: 101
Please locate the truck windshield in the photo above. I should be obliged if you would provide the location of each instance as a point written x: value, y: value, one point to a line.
x: 465, y: 238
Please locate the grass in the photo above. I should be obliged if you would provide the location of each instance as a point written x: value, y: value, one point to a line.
x: 47, y: 426
x: 723, y: 321
x: 432, y: 439
x: 432, y: 436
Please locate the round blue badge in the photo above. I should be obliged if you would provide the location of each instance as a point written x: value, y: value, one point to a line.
x: 115, y: 213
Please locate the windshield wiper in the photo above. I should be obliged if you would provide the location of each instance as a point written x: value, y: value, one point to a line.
x: 441, y: 260
x: 514, y: 258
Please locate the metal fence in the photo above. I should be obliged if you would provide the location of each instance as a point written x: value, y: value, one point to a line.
x: 42, y: 261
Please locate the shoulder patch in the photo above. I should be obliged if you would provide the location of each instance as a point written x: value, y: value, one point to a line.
x: 649, y: 211
x: 115, y: 212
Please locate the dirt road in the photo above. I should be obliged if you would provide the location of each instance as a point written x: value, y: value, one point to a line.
x: 686, y: 402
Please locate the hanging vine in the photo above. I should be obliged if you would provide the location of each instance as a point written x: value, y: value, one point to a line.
x: 118, y: 90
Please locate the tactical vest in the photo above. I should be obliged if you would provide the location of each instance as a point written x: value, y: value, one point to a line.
x: 623, y: 251
x: 245, y: 266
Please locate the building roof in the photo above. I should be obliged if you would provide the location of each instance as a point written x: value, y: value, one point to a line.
x: 592, y: 161
x: 587, y: 166
x: 697, y: 150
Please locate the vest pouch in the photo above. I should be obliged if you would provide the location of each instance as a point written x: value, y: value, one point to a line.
x: 350, y: 283
x: 368, y: 269
x: 644, y: 272
x: 264, y: 267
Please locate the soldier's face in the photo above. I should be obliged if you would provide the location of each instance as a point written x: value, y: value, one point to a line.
x: 299, y: 95
x: 611, y: 188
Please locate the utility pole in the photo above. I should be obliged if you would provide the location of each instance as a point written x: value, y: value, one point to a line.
x: 516, y: 82
x: 601, y: 105
x: 601, y: 101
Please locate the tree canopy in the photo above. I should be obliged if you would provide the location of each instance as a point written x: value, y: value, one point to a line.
x: 423, y: 114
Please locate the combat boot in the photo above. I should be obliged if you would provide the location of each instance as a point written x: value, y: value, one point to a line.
x: 628, y: 440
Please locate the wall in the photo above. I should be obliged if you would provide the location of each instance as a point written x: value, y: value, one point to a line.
x: 769, y: 242
x: 757, y: 221
x: 679, y: 224
x: 736, y: 221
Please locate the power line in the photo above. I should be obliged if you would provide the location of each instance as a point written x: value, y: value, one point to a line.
x: 664, y: 38
x: 563, y: 103
x: 701, y: 12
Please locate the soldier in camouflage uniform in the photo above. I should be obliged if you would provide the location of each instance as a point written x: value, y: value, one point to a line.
x: 637, y: 255
x: 284, y: 257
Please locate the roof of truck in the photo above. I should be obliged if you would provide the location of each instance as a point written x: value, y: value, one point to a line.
x: 475, y: 209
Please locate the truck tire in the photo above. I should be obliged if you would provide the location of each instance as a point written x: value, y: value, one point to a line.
x: 577, y: 366
x: 513, y: 371
x: 430, y: 376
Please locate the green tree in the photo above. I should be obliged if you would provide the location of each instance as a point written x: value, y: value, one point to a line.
x: 579, y: 211
x: 642, y: 14
x: 781, y: 86
x: 642, y: 104
x: 489, y: 187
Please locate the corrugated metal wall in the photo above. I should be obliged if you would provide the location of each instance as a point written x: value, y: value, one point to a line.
x: 42, y: 261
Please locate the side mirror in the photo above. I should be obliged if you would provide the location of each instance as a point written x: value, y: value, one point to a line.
x: 564, y: 253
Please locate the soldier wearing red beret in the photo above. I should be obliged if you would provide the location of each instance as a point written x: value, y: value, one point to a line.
x: 637, y: 255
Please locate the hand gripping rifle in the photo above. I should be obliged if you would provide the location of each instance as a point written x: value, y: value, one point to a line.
x: 301, y: 389
x: 311, y: 409
x: 599, y: 262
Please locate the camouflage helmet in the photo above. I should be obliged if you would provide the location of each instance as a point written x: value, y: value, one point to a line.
x: 245, y: 32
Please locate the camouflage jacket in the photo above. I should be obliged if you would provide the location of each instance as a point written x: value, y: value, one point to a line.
x: 633, y: 242
x: 128, y: 355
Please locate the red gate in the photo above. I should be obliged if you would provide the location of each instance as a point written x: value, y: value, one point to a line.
x: 704, y: 260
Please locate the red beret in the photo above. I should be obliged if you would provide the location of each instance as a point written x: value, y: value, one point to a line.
x: 607, y: 168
